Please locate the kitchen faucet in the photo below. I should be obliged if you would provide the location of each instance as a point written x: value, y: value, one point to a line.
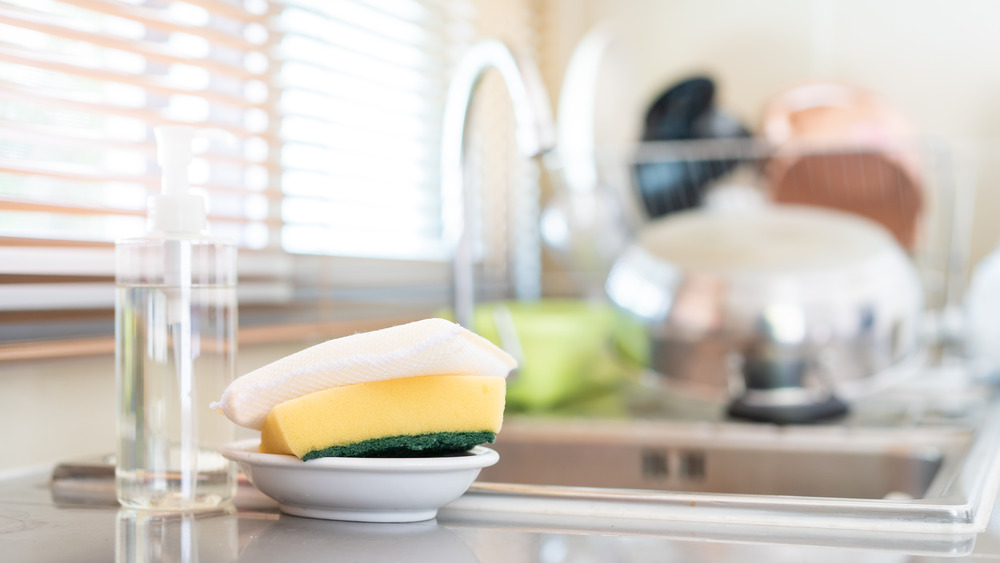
x: 535, y: 136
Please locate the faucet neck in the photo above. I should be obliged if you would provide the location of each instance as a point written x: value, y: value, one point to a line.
x: 535, y: 136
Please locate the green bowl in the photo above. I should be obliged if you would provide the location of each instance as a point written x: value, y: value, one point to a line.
x: 571, y: 350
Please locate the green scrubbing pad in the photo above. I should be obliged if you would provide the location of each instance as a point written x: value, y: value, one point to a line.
x: 420, y: 445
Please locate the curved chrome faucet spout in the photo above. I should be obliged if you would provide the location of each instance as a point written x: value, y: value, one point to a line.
x: 535, y: 136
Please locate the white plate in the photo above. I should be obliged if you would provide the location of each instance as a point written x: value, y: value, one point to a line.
x: 361, y: 489
x: 599, y: 108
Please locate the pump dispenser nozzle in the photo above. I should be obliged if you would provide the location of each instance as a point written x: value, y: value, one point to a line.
x: 176, y: 209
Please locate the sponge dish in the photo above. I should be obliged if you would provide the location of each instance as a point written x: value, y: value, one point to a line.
x: 361, y: 489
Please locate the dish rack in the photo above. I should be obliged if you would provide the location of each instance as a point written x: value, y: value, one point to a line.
x: 921, y: 189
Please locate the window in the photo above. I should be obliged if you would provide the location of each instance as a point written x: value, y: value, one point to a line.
x: 320, y: 124
x: 390, y: 65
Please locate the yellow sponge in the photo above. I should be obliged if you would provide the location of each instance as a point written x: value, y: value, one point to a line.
x: 426, y: 415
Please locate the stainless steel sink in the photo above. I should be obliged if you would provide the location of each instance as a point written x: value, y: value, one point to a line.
x: 725, y: 458
x: 921, y: 457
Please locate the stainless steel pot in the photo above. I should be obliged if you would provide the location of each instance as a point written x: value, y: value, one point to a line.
x: 787, y: 312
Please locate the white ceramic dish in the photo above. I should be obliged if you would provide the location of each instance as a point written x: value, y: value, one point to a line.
x: 361, y: 489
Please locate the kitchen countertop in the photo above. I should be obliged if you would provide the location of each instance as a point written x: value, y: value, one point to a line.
x: 75, y: 517
x: 36, y: 527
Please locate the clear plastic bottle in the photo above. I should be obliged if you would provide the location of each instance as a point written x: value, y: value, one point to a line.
x: 175, y: 333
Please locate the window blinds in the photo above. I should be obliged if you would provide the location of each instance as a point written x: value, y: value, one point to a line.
x: 320, y: 125
x: 361, y: 93
x: 320, y: 132
x: 82, y: 84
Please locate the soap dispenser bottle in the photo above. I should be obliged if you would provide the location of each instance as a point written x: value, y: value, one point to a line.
x: 175, y: 348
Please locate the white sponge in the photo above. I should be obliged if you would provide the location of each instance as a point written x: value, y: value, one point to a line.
x: 426, y: 347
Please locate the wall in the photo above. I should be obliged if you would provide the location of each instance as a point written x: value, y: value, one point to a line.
x: 937, y: 61
x: 56, y: 409
x: 61, y: 409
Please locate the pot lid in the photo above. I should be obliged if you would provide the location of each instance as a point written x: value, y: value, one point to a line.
x: 772, y: 239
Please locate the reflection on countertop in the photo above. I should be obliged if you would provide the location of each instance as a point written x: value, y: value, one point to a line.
x: 34, y: 528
